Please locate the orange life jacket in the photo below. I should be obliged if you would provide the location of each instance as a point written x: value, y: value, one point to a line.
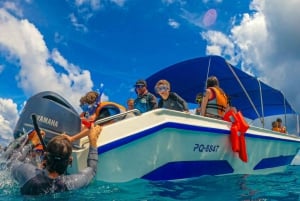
x: 217, y: 105
x: 276, y: 129
x: 282, y: 129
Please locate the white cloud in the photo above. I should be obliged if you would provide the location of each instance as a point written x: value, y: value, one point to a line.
x: 251, y: 38
x: 215, y: 1
x: 11, y: 6
x: 173, y: 23
x: 23, y: 41
x: 93, y: 4
x: 169, y: 2
x: 273, y: 32
x: 85, y: 10
x: 78, y: 26
x: 119, y: 2
x: 58, y: 38
x: 8, y: 118
x: 219, y: 44
x: 266, y: 42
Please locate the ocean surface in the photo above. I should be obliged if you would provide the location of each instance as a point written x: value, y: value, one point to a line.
x: 280, y: 186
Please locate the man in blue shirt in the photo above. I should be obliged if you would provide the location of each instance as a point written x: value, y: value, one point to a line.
x: 145, y: 100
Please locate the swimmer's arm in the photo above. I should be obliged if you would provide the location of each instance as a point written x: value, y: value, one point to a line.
x: 84, y: 177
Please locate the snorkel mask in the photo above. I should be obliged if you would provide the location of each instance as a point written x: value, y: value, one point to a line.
x: 89, y: 109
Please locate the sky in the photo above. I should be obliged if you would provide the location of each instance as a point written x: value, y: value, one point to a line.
x: 74, y: 46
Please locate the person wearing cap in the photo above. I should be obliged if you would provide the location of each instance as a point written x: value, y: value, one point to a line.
x: 52, y: 177
x: 145, y: 100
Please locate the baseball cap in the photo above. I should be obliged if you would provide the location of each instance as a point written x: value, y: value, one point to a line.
x: 141, y: 82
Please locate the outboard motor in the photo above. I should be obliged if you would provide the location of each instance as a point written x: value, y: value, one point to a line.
x: 54, y: 115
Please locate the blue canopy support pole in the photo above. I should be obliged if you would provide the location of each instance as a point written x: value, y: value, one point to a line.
x: 208, y: 69
x: 284, y: 105
x: 245, y: 91
x: 261, y: 103
x: 297, y: 116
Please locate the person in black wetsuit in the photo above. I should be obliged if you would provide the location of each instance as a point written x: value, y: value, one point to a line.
x: 52, y: 178
x: 169, y: 100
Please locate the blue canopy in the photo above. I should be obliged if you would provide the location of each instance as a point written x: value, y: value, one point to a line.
x: 248, y: 94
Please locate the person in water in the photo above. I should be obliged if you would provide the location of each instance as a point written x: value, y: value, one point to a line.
x: 28, y: 143
x: 145, y: 100
x: 169, y: 100
x: 52, y: 177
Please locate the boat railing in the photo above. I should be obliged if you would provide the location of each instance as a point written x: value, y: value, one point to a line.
x: 120, y: 116
x: 117, y: 116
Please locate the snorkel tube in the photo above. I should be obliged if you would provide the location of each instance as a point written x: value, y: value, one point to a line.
x: 100, y: 91
x: 38, y: 131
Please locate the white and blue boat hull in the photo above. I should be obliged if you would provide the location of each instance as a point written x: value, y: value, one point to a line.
x: 169, y: 145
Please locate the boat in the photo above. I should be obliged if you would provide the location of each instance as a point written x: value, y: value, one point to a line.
x: 168, y: 145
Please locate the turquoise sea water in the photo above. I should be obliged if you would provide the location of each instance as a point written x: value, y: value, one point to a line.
x: 281, y: 186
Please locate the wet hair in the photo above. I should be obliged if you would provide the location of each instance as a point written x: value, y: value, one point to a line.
x: 212, y: 81
x: 91, y: 97
x: 162, y: 82
x: 82, y: 100
x: 58, y: 156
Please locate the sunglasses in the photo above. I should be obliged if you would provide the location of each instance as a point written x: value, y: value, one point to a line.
x: 162, y: 88
x: 139, y: 86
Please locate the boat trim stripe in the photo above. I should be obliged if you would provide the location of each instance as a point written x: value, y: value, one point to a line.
x: 189, y: 169
x: 118, y: 143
